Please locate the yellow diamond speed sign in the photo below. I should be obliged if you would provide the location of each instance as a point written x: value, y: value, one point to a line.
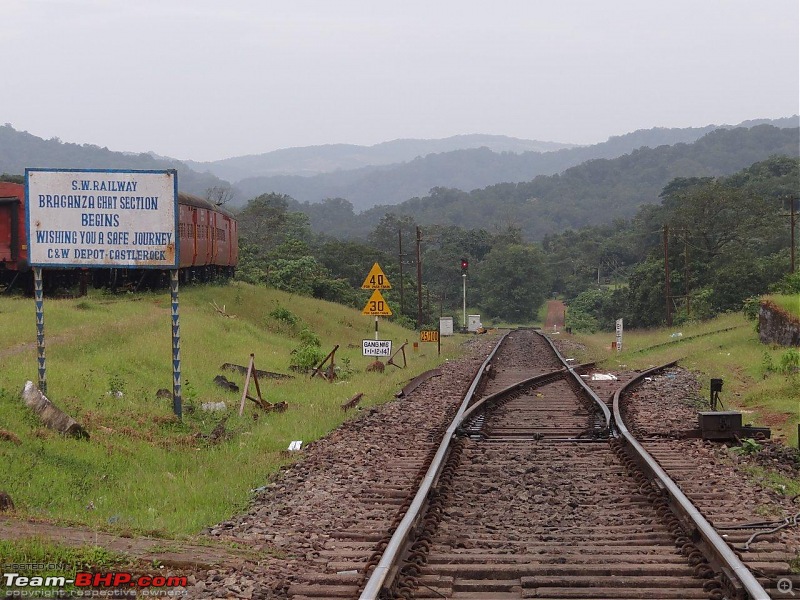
x: 376, y: 279
x: 377, y: 306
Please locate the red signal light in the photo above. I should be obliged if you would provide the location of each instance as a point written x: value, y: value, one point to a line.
x: 464, y: 265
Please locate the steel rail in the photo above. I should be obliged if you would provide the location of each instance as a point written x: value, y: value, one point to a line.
x: 714, y: 542
x: 597, y: 400
x: 519, y: 385
x: 397, y: 542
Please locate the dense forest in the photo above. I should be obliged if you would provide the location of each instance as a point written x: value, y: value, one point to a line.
x: 466, y: 168
x: 597, y: 191
x: 727, y: 240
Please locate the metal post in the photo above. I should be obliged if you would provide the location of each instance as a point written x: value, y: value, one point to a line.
x: 419, y: 280
x: 686, y: 274
x: 176, y: 345
x: 792, y: 222
x: 400, y: 255
x: 376, y: 327
x: 667, y: 287
x: 464, y: 280
x: 39, y: 300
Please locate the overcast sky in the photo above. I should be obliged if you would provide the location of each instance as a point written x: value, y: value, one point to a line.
x: 207, y: 79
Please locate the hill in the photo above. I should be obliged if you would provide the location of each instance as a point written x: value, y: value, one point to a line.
x: 107, y: 357
x: 463, y: 169
x: 313, y: 160
x: 597, y: 191
x: 20, y: 150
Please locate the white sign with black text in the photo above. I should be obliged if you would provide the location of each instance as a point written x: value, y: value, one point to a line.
x: 376, y: 347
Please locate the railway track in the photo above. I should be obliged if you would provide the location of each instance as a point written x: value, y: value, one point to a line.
x: 534, y: 492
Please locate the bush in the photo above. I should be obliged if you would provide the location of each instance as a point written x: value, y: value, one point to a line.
x: 750, y: 307
x: 284, y: 314
x: 309, y: 338
x: 309, y: 353
x: 305, y: 358
x: 790, y: 362
x: 790, y: 284
x: 581, y: 322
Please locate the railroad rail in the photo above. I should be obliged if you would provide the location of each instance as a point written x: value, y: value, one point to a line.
x: 537, y: 490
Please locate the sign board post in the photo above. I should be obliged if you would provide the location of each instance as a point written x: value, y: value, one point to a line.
x: 94, y: 218
x: 619, y: 335
x: 376, y: 306
x: 431, y: 335
x: 39, y: 300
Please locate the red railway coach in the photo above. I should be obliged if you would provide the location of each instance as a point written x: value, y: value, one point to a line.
x: 13, y: 245
x: 208, y: 238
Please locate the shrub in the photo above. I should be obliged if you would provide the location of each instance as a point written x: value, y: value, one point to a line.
x: 750, y: 307
x: 306, y: 357
x: 281, y: 313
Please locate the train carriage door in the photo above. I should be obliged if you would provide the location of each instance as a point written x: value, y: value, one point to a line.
x: 193, y: 211
x: 212, y: 226
x: 206, y: 247
x: 233, y: 240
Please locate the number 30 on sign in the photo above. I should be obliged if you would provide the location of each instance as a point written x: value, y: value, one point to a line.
x: 377, y: 306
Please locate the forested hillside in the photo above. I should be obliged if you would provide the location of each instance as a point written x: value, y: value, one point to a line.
x: 594, y: 192
x: 20, y: 149
x: 727, y: 239
x: 465, y: 169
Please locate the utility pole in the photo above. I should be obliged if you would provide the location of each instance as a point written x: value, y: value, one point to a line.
x: 400, y: 256
x: 667, y: 290
x: 686, y: 272
x: 791, y: 217
x: 419, y: 280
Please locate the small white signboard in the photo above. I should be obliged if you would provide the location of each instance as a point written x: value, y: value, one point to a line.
x: 619, y: 335
x: 377, y: 347
x: 102, y: 218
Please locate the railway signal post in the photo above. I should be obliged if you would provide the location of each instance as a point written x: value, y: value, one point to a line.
x: 464, y: 267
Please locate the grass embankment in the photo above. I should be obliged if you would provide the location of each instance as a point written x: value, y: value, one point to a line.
x: 788, y: 302
x: 143, y: 471
x: 726, y: 347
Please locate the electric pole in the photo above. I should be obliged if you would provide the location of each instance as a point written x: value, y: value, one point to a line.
x: 400, y: 255
x: 419, y: 280
x: 667, y: 290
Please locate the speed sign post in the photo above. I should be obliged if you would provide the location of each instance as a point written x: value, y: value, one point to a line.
x: 376, y: 306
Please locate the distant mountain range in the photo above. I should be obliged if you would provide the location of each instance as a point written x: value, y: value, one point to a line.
x: 314, y: 160
x: 366, y: 176
x: 594, y: 192
x: 465, y: 169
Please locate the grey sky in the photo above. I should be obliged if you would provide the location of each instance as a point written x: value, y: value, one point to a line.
x: 205, y: 79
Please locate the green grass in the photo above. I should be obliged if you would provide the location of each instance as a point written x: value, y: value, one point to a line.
x: 57, y: 560
x: 789, y: 302
x: 726, y: 347
x: 142, y: 470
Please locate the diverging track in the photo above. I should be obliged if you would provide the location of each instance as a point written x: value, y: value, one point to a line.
x: 532, y: 500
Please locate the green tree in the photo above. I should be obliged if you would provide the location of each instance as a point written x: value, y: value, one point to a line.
x: 513, y: 281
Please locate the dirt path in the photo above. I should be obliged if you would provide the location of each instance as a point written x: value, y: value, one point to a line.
x: 170, y: 553
x: 554, y: 321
